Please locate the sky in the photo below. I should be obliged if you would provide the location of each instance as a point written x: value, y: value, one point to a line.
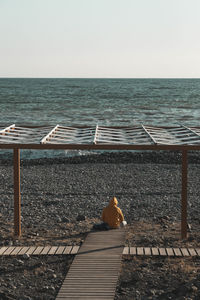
x: 100, y: 38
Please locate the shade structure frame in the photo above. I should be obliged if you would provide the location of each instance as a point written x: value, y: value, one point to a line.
x: 60, y: 137
x: 94, y: 136
x: 17, y: 193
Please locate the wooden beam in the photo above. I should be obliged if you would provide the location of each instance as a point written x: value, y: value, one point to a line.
x: 184, y: 196
x: 95, y: 135
x: 7, y: 129
x: 17, y: 194
x: 44, y: 140
x: 149, y: 134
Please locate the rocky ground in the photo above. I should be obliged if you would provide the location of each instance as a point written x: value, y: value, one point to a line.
x: 159, y: 278
x: 34, y: 277
x: 63, y: 198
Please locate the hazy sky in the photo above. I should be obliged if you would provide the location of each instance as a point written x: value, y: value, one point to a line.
x: 100, y: 38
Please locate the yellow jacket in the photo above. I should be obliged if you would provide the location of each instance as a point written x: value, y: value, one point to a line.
x: 112, y: 215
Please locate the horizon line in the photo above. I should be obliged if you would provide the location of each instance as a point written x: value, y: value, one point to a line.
x: 22, y: 77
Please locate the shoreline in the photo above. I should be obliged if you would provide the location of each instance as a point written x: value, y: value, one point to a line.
x: 140, y: 157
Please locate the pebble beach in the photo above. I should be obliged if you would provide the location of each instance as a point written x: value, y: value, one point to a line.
x: 63, y: 197
x: 56, y: 191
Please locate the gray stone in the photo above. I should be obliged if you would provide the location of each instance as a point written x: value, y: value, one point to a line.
x: 50, y: 270
x: 181, y: 290
x: 20, y: 262
x: 166, y: 217
x: 45, y: 288
x: 59, y: 219
x: 66, y: 220
x: 26, y: 256
x: 165, y: 226
x: 194, y: 289
x: 80, y: 218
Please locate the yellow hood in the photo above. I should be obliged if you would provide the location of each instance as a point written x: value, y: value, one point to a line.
x: 113, y: 201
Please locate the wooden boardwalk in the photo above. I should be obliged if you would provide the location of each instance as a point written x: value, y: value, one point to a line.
x: 64, y: 250
x: 155, y: 251
x: 94, y: 271
x: 38, y: 250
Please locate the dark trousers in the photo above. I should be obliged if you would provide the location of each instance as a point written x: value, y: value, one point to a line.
x: 101, y: 226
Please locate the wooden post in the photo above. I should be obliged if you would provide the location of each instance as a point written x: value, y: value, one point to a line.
x: 17, y: 194
x: 184, y: 196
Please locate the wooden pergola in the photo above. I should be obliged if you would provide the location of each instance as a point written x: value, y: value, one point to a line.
x: 99, y: 138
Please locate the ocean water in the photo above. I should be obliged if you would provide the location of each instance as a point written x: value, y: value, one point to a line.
x: 109, y: 102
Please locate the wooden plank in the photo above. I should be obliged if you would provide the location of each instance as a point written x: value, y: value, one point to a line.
x: 75, y: 249
x: 70, y: 281
x: 38, y: 250
x: 93, y: 264
x: 76, y: 291
x: 9, y: 250
x: 89, y: 291
x: 140, y: 251
x: 162, y: 251
x: 185, y: 252
x: 45, y: 250
x: 81, y: 276
x: 88, y: 297
x: 31, y: 250
x: 60, y: 250
x: 197, y: 251
x: 149, y: 134
x: 184, y: 196
x: 177, y: 252
x: 17, y: 194
x: 52, y: 250
x: 16, y: 250
x: 192, y: 251
x: 126, y: 250
x: 97, y: 268
x: 3, y: 249
x: 44, y: 140
x: 93, y: 276
x: 147, y: 251
x: 7, y: 129
x: 87, y: 284
x: 23, y: 250
x: 81, y: 293
x: 154, y: 251
x: 170, y: 251
x: 55, y: 146
x: 92, y: 280
x: 67, y: 250
x: 133, y: 250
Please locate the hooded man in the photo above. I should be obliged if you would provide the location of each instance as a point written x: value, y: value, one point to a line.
x: 112, y: 215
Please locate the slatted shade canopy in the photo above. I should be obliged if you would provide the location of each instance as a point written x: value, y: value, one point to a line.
x: 92, y: 137
x: 141, y: 137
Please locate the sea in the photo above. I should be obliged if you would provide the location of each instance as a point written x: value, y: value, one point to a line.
x: 107, y: 102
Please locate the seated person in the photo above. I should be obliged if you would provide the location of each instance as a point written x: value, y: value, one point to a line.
x: 112, y: 216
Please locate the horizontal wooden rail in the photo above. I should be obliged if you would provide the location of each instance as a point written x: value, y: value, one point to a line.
x: 161, y: 251
x: 73, y: 250
x: 39, y: 250
x: 99, y: 147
